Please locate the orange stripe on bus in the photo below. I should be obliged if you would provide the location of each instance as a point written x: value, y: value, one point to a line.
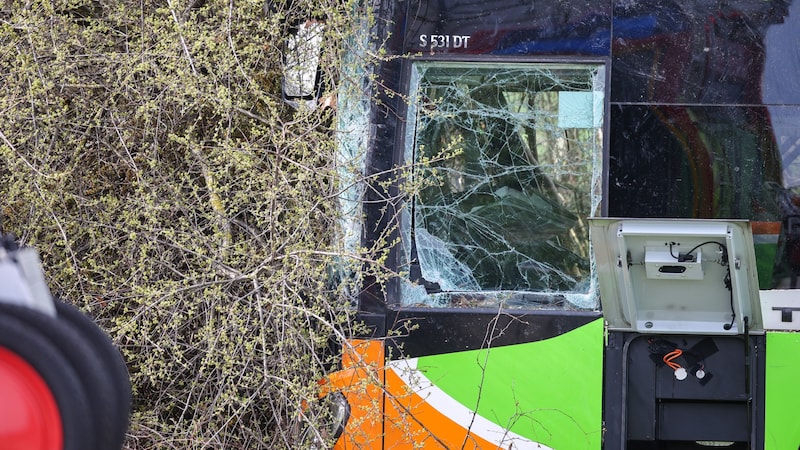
x: 361, y: 381
x: 402, y: 419
x: 411, y: 421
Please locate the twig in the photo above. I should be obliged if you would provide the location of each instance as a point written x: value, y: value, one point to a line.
x: 180, y: 34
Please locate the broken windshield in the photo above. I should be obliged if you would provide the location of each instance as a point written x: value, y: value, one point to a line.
x: 507, y: 169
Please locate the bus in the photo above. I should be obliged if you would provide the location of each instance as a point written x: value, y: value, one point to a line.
x: 595, y: 237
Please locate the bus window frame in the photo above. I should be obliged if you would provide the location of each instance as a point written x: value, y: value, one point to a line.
x: 392, y: 295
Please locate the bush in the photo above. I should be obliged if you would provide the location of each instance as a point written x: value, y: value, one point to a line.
x: 149, y: 158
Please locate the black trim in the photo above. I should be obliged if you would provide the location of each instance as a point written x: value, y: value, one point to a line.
x: 423, y: 332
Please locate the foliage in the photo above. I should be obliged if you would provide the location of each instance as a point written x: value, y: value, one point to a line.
x: 149, y: 158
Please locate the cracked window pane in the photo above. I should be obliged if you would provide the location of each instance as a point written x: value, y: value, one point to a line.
x: 508, y: 170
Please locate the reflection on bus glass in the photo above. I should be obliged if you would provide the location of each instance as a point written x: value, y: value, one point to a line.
x: 704, y: 120
x: 508, y: 172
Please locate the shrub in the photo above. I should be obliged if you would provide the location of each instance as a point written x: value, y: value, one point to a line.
x: 173, y: 195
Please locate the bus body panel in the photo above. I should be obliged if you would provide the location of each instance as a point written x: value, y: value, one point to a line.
x: 526, y: 396
x: 782, y: 430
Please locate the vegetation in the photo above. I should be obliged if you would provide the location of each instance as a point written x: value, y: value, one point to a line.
x: 148, y: 156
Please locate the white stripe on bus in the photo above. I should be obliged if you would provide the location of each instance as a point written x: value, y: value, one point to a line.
x: 438, y: 399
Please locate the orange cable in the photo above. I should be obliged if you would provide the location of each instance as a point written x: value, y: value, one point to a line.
x: 668, y: 359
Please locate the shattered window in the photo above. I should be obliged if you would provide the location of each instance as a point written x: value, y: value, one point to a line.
x: 507, y: 171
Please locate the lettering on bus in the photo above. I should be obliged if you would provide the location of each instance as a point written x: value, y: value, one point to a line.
x: 433, y: 41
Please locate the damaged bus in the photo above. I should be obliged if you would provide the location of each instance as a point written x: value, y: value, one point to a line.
x: 601, y: 243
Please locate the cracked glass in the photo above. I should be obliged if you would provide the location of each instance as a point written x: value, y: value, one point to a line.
x: 506, y: 171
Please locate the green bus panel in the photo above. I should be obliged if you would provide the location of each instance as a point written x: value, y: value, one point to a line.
x: 782, y: 421
x: 549, y: 391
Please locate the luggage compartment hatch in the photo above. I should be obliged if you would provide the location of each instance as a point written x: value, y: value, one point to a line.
x: 677, y: 276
